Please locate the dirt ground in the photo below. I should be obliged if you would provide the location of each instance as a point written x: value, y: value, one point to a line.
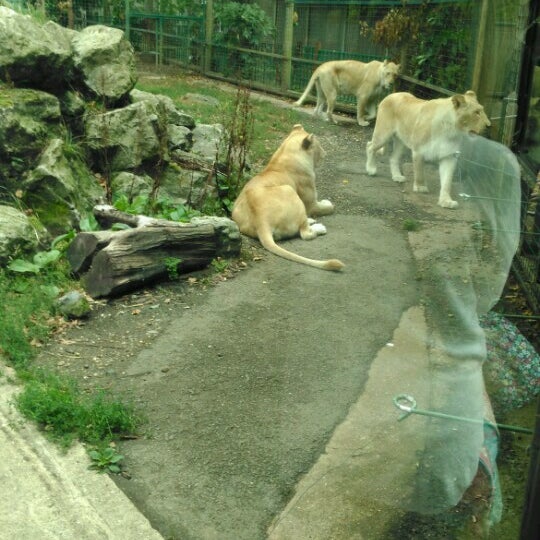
x: 244, y: 376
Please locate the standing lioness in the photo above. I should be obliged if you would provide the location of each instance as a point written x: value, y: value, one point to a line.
x: 276, y: 203
x: 350, y: 77
x: 432, y: 129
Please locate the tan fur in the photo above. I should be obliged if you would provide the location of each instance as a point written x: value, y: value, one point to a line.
x: 350, y: 77
x: 431, y: 129
x: 276, y: 203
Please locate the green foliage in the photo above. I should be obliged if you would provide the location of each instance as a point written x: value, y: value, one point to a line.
x: 65, y: 413
x: 160, y: 208
x: 172, y: 264
x: 106, y: 460
x: 240, y: 25
x: 434, y: 40
x: 40, y: 260
x: 219, y: 264
x: 444, y: 46
x: 27, y: 301
x: 411, y: 225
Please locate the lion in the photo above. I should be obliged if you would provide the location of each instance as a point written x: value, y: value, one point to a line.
x: 276, y: 203
x: 350, y: 77
x: 431, y: 129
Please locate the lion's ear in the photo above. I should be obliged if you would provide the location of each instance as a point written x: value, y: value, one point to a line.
x: 470, y: 93
x: 297, y: 126
x: 307, y: 142
x: 385, y: 63
x: 458, y: 100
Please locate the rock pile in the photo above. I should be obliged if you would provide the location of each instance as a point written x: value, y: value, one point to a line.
x: 73, y: 130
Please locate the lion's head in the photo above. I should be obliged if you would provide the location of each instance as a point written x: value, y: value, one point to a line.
x: 309, y: 143
x: 471, y: 116
x: 388, y: 74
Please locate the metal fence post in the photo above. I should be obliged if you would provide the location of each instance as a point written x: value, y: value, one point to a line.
x: 208, y: 35
x: 127, y: 17
x: 287, y: 45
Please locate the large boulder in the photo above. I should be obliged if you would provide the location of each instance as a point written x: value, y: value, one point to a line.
x: 122, y: 139
x: 28, y: 118
x: 34, y: 55
x: 61, y: 189
x: 17, y: 236
x: 106, y: 60
x: 173, y: 115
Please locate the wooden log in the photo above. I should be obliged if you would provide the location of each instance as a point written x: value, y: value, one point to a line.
x: 84, y: 246
x: 139, y: 257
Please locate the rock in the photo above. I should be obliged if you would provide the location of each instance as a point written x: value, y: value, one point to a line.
x: 179, y: 137
x: 122, y: 139
x: 28, y: 118
x: 173, y: 115
x: 73, y: 305
x: 131, y: 185
x: 61, y: 189
x: 106, y: 60
x: 34, y: 55
x: 207, y: 139
x: 17, y: 236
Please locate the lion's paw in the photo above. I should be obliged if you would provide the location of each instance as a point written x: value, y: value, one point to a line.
x: 319, y: 228
x: 398, y: 178
x: 448, y: 204
x: 420, y: 189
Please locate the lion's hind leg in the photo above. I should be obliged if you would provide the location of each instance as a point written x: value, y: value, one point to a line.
x: 321, y: 101
x: 373, y: 147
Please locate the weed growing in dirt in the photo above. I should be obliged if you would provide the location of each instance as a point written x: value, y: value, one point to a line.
x: 411, y: 225
x: 66, y: 414
x: 106, y: 460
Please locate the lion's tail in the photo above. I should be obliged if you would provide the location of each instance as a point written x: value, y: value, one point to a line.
x: 309, y: 86
x: 268, y: 242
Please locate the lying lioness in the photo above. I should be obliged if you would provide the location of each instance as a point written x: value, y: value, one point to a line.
x: 431, y: 129
x: 351, y: 77
x: 276, y: 203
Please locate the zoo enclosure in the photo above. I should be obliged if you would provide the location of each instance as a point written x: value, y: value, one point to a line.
x: 443, y: 46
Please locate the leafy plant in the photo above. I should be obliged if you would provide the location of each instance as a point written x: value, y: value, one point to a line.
x: 106, y: 460
x: 240, y: 25
x: 172, y: 264
x: 40, y: 260
x: 161, y: 208
x: 219, y: 264
x: 411, y: 225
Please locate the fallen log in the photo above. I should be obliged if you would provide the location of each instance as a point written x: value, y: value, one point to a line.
x: 140, y: 257
x: 115, y: 262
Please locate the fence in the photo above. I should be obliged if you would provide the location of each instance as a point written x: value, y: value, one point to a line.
x: 444, y: 46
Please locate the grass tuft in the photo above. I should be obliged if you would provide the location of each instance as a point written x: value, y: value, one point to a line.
x: 56, y: 404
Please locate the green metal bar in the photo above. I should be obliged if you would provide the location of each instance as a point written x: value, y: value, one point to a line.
x: 407, y: 404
